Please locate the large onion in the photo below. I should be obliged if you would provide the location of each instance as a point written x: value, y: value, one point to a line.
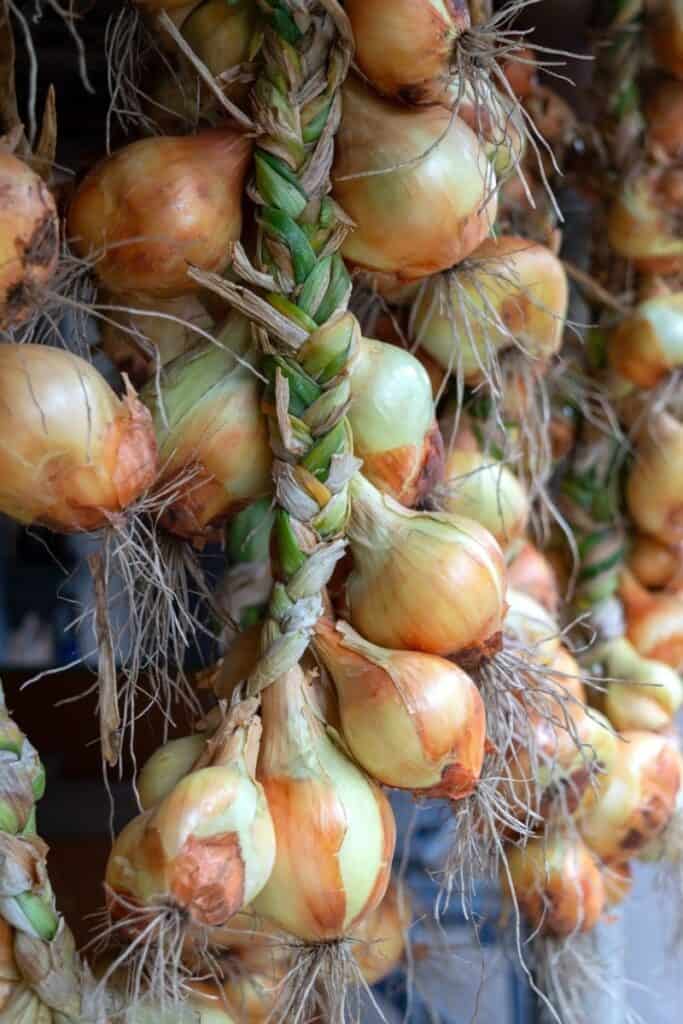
x: 654, y: 490
x: 72, y: 453
x: 159, y: 204
x: 648, y: 344
x: 414, y: 182
x: 643, y: 222
x: 29, y: 239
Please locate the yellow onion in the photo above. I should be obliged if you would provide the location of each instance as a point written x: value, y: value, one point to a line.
x: 654, y: 622
x: 654, y: 491
x: 422, y: 581
x: 29, y: 239
x: 664, y: 117
x: 642, y: 224
x: 530, y: 571
x: 392, y: 418
x: 166, y: 767
x: 405, y: 47
x: 380, y: 938
x: 567, y: 674
x: 73, y: 454
x: 159, y: 204
x: 494, y: 118
x: 513, y: 293
x: 208, y: 847
x: 666, y: 35
x: 334, y: 828
x: 221, y: 34
x: 636, y: 799
x: 411, y: 720
x: 558, y: 886
x: 162, y: 337
x: 209, y: 424
x: 654, y: 564
x: 532, y: 627
x: 426, y: 209
x: 618, y: 880
x: 648, y: 344
x: 649, y: 696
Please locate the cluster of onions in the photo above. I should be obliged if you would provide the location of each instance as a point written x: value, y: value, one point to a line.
x: 648, y: 344
x: 74, y: 455
x: 29, y: 239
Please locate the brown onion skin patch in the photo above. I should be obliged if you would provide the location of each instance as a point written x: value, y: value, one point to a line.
x: 410, y: 472
x: 207, y: 878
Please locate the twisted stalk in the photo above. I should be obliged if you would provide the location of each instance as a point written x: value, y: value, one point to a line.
x: 42, y: 972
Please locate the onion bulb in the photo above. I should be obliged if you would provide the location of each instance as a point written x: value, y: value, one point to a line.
x: 648, y: 344
x: 647, y: 694
x: 530, y: 572
x: 513, y: 292
x: 73, y: 454
x: 334, y: 828
x: 422, y: 581
x: 654, y: 490
x: 664, y: 117
x: 221, y: 34
x: 211, y: 431
x: 654, y: 622
x: 380, y: 937
x: 150, y: 209
x: 558, y: 885
x: 415, y: 182
x: 392, y: 418
x: 654, y: 564
x: 166, y: 767
x: 29, y: 239
x: 494, y: 118
x: 567, y: 675
x: 208, y: 847
x: 636, y: 799
x: 666, y: 35
x: 642, y: 224
x: 532, y: 627
x: 411, y: 720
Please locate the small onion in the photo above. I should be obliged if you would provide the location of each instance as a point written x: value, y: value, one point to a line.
x: 221, y: 34
x: 666, y: 35
x: 29, y: 239
x: 654, y: 490
x: 567, y: 675
x: 642, y: 224
x: 422, y: 581
x: 159, y: 204
x: 654, y: 622
x: 649, y: 696
x: 416, y: 185
x: 411, y: 720
x: 166, y: 767
x: 648, y: 344
x: 334, y: 828
x: 72, y: 454
x: 664, y: 116
x: 654, y: 564
x: 380, y: 938
x: 513, y: 292
x: 530, y: 572
x: 558, y: 885
x: 636, y: 799
x: 392, y: 418
x: 531, y: 626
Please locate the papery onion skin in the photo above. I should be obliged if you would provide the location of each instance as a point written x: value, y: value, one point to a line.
x: 411, y: 720
x: 526, y: 286
x: 636, y: 799
x: 654, y: 622
x: 654, y: 490
x: 380, y: 937
x: 405, y: 48
x: 72, y: 453
x: 29, y: 239
x: 178, y: 198
x: 419, y: 219
x: 392, y: 418
x: 334, y: 827
x: 654, y: 564
x: 667, y: 36
x: 558, y: 885
x: 648, y: 344
x: 531, y: 626
x: 422, y: 581
x: 481, y: 488
x: 641, y: 224
x: 531, y: 572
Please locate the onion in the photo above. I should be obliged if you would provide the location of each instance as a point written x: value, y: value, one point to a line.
x: 496, y: 121
x: 210, y: 428
x: 160, y: 204
x: 557, y: 884
x: 666, y: 35
x: 654, y: 491
x: 73, y: 454
x: 222, y: 34
x: 532, y: 627
x: 648, y: 344
x: 334, y: 828
x: 392, y: 418
x: 208, y: 847
x: 521, y: 72
x: 411, y: 720
x: 512, y: 293
x: 139, y: 343
x: 205, y: 1004
x: 166, y: 767
x: 654, y: 622
x: 567, y: 675
x: 664, y: 116
x: 649, y: 696
x: 530, y: 571
x: 642, y: 224
x: 29, y: 239
x: 416, y: 187
x: 422, y: 581
x: 380, y: 938
x: 636, y: 799
x: 654, y: 564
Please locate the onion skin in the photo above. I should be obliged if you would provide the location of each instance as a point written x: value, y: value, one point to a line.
x: 558, y: 886
x: 654, y: 622
x: 380, y: 937
x: 656, y: 565
x: 532, y: 627
x: 483, y: 489
x: 405, y: 48
x: 664, y: 114
x: 654, y: 490
x: 182, y: 196
x: 636, y: 799
x: 73, y: 454
x: 416, y: 575
x: 568, y: 675
x: 411, y: 720
x: 29, y: 239
x: 648, y: 344
x: 420, y: 219
x: 166, y: 767
x: 221, y: 34
x: 649, y: 696
x: 532, y: 573
x: 666, y: 36
x: 642, y: 224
